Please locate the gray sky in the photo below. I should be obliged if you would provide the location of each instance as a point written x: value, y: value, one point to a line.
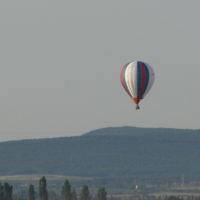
x: 60, y: 63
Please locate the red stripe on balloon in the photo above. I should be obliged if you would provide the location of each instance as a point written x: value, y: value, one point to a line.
x: 143, y: 79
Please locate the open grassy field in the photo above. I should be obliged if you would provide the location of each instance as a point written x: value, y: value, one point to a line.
x: 36, y: 177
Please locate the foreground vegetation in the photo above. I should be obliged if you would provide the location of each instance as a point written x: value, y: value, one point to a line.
x: 67, y: 193
x: 6, y: 192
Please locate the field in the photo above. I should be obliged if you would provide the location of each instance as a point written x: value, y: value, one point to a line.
x: 36, y: 177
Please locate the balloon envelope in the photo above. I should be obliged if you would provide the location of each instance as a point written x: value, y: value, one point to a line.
x: 137, y: 79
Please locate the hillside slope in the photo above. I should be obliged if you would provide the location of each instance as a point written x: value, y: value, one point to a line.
x: 108, y: 152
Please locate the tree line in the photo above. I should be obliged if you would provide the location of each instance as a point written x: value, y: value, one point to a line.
x: 67, y: 193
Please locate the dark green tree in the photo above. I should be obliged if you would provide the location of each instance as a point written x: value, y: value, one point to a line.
x: 7, y: 191
x: 31, y: 193
x: 85, y: 193
x: 102, y: 194
x: 43, y: 193
x: 1, y: 191
x: 74, y: 196
x: 66, y: 190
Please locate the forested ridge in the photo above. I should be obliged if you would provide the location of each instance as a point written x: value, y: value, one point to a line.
x: 107, y: 152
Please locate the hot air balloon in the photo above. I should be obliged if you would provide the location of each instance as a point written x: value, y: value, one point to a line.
x: 137, y: 79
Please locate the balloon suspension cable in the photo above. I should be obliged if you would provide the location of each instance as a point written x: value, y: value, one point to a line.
x: 137, y: 107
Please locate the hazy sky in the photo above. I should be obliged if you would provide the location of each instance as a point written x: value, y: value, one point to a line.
x: 60, y: 63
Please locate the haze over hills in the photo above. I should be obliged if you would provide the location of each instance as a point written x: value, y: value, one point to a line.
x: 108, y: 152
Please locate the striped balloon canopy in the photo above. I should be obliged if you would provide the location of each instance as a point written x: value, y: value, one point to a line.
x: 137, y: 79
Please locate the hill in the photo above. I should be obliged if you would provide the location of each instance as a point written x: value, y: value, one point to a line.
x: 108, y: 152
